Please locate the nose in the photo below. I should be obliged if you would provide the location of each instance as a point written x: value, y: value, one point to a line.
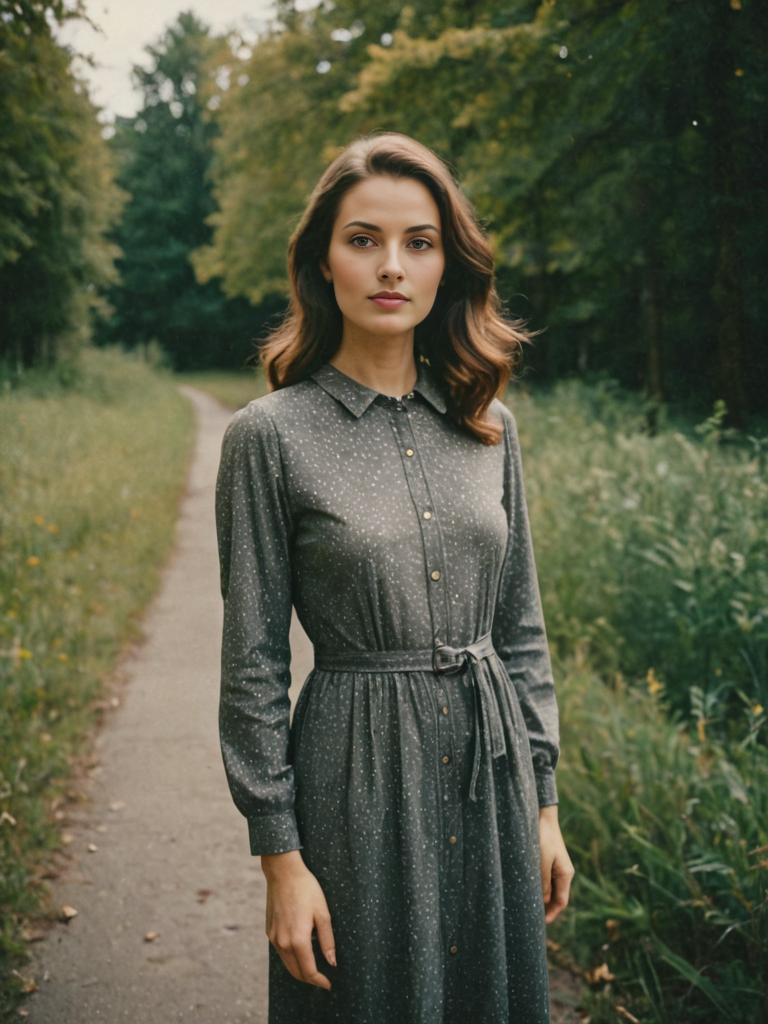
x: 390, y: 267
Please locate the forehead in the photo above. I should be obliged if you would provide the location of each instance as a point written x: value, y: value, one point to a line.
x: 389, y: 202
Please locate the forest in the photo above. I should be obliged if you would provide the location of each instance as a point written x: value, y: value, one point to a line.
x: 615, y: 152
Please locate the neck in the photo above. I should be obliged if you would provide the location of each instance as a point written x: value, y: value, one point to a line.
x: 388, y: 367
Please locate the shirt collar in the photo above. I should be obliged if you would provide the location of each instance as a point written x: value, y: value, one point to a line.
x: 357, y: 397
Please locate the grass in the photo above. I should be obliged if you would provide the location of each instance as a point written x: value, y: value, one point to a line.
x: 231, y: 389
x: 94, y: 460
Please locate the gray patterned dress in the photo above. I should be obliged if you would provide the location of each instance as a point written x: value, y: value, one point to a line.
x: 426, y: 736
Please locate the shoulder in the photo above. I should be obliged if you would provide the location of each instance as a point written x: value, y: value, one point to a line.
x: 261, y: 419
x: 501, y: 413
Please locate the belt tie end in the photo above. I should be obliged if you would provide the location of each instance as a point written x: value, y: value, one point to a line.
x: 487, y: 716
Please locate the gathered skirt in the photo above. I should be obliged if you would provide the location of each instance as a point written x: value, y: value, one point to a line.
x: 435, y: 899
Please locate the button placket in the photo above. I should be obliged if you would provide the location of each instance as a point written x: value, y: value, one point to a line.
x: 428, y: 522
x: 437, y: 596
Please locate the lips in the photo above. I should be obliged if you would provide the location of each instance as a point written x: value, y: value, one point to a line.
x: 389, y: 295
x: 385, y: 303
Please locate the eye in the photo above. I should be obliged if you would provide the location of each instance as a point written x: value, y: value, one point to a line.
x: 357, y: 238
x: 427, y: 244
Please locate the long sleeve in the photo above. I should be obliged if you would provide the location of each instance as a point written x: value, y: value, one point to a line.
x: 519, y: 633
x: 253, y: 525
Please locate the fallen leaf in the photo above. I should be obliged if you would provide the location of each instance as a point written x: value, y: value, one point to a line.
x: 67, y: 838
x: 151, y: 936
x: 32, y: 934
x: 600, y: 973
x: 92, y: 847
x: 27, y: 984
x: 67, y: 912
x: 117, y: 805
x: 203, y: 894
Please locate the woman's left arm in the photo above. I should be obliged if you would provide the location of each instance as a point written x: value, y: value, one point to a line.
x: 520, y: 638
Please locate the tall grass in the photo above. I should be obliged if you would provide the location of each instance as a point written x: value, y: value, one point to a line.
x: 93, y: 459
x: 652, y: 549
x: 652, y: 560
x: 668, y: 831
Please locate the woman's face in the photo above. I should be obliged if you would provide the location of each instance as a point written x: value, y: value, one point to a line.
x: 386, y: 237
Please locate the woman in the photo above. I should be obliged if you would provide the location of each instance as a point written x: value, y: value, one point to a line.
x: 406, y: 819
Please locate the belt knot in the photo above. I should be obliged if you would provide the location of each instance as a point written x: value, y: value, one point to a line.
x: 488, y: 731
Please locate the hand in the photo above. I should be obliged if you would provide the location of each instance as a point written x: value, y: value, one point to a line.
x: 295, y: 905
x: 557, y: 871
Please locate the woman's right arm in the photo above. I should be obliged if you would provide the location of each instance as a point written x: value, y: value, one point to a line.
x: 254, y: 528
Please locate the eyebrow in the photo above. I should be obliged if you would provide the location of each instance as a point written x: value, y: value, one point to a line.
x: 375, y: 227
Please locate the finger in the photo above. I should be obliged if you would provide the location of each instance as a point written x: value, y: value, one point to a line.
x: 546, y: 878
x: 291, y: 963
x: 268, y: 915
x: 559, y: 895
x: 308, y: 965
x: 325, y: 937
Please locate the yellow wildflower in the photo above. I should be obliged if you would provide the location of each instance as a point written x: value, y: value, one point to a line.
x: 654, y: 685
x: 33, y: 560
x: 757, y: 709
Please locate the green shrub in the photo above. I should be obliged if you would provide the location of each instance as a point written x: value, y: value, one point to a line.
x: 651, y: 549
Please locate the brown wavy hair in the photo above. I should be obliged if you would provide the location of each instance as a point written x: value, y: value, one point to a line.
x: 470, y: 344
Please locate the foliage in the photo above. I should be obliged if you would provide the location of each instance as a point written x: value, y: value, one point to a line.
x: 58, y: 196
x: 668, y: 831
x: 164, y: 153
x: 651, y: 548
x: 613, y: 150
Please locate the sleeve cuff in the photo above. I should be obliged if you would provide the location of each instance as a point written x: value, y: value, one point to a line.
x: 273, y: 833
x: 546, y: 788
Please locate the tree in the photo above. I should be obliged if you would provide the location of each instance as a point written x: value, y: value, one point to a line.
x: 57, y: 199
x: 163, y: 156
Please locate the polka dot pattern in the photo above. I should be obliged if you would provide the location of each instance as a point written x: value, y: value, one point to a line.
x: 426, y: 736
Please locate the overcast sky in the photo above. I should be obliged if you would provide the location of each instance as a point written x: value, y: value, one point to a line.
x: 127, y: 27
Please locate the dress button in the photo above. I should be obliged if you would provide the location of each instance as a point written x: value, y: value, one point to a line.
x: 445, y: 759
x: 435, y: 574
x: 427, y: 514
x: 409, y: 395
x: 453, y: 840
x: 444, y: 709
x: 409, y: 451
x: 454, y: 949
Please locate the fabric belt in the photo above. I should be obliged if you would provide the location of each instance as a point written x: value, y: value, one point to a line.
x: 441, y: 659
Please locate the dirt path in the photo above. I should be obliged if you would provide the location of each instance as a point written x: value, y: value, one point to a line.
x: 171, y: 851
